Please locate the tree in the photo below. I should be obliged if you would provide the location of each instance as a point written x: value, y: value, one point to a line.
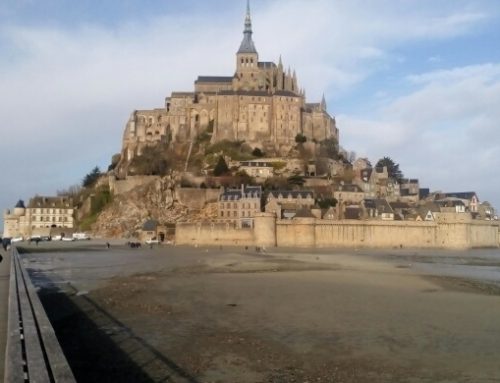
x: 152, y: 161
x: 221, y: 167
x: 326, y: 203
x: 91, y: 178
x: 257, y: 152
x: 392, y: 168
x: 300, y: 138
x: 329, y: 148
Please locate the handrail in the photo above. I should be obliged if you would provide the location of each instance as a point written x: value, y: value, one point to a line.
x: 33, y: 353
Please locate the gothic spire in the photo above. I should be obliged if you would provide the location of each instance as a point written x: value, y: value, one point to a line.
x: 247, y: 45
x: 323, y: 102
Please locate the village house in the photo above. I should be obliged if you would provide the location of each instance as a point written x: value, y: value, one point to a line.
x: 257, y: 169
x: 427, y: 212
x: 238, y: 206
x: 378, y: 209
x: 469, y: 199
x: 286, y: 203
x: 452, y: 205
x: 42, y: 213
x: 349, y: 193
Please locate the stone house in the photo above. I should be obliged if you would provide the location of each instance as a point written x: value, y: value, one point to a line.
x: 42, y: 213
x: 349, y: 193
x: 331, y: 214
x: 469, y: 199
x: 428, y: 212
x: 378, y: 209
x: 238, y: 206
x: 257, y: 169
x: 285, y: 203
x: 452, y: 205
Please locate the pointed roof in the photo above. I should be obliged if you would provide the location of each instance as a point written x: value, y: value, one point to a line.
x: 323, y: 102
x: 247, y: 45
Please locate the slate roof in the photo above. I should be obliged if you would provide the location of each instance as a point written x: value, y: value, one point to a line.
x: 244, y: 93
x: 150, y: 225
x: 352, y: 212
x: 266, y: 64
x: 237, y: 194
x: 286, y: 93
x: 293, y: 193
x: 20, y: 204
x: 461, y: 195
x: 215, y: 79
x: 304, y: 213
x: 399, y: 205
x: 350, y: 188
x: 57, y: 202
x: 450, y: 202
x: 381, y: 205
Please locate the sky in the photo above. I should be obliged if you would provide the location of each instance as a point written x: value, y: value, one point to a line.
x: 415, y: 80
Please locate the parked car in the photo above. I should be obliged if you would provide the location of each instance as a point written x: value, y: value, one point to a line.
x: 17, y: 239
x: 81, y: 236
x: 68, y: 239
x: 152, y: 241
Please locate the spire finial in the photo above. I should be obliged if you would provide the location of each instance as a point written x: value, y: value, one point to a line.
x: 247, y: 45
x: 248, y: 19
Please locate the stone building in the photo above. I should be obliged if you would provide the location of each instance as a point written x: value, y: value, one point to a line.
x: 261, y: 103
x: 238, y: 206
x: 41, y: 213
x: 286, y: 203
x: 258, y: 169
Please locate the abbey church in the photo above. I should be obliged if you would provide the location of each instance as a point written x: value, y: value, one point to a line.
x: 261, y: 104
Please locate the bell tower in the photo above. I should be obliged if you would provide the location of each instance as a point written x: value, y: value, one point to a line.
x: 247, y: 57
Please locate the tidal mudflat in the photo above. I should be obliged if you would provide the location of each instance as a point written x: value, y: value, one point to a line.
x: 182, y: 314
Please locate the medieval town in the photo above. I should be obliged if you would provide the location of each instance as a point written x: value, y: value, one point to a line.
x: 234, y: 148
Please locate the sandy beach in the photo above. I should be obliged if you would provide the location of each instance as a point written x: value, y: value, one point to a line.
x: 181, y: 314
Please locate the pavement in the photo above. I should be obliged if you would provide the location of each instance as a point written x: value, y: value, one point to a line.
x: 4, y: 306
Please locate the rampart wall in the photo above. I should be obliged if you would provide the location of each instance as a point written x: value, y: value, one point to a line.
x: 212, y: 234
x: 311, y: 232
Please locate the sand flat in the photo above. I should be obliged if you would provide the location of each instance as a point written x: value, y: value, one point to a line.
x: 235, y: 315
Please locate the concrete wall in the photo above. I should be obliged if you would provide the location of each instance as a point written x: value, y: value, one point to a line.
x: 212, y: 234
x: 311, y: 232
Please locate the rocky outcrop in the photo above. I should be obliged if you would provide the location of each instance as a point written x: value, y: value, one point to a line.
x: 157, y: 200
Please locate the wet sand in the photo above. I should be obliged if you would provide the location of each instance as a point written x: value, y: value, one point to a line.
x: 180, y: 314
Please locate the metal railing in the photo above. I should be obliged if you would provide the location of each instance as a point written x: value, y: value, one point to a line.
x: 33, y: 353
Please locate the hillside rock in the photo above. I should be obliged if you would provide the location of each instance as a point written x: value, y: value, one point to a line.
x: 124, y: 217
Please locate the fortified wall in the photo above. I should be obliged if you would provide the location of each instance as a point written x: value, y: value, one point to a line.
x: 445, y: 233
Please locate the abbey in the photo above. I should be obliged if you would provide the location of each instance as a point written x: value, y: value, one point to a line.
x: 260, y: 104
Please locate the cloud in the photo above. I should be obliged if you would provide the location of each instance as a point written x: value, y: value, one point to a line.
x: 445, y: 131
x: 67, y: 90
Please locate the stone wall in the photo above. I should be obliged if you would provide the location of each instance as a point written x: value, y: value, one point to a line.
x: 118, y: 187
x: 311, y: 232
x: 196, y: 199
x: 213, y: 235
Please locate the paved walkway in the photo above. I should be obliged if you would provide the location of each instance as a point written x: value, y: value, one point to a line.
x: 4, y: 295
